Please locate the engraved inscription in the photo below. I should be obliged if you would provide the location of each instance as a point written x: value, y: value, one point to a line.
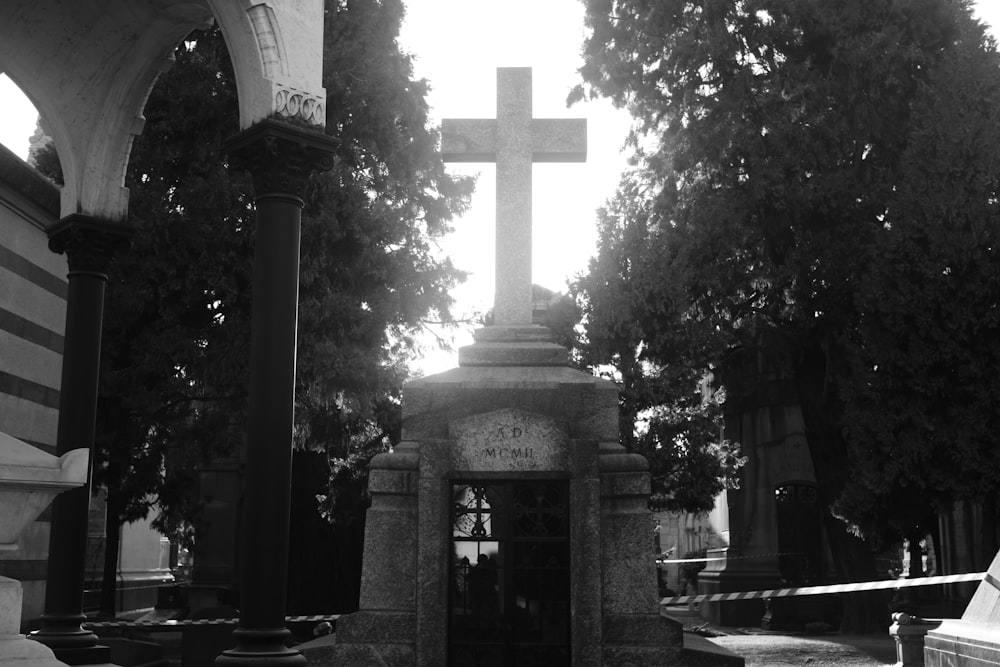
x: 509, y: 452
x: 507, y: 432
x: 509, y: 440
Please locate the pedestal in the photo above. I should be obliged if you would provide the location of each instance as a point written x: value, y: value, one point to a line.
x: 973, y: 639
x: 15, y: 648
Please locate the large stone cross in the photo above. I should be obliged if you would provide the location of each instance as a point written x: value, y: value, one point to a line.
x: 513, y: 140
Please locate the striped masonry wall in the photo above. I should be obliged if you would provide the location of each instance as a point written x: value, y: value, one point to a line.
x: 33, y: 290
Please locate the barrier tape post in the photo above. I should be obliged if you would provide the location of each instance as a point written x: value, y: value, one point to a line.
x: 825, y: 590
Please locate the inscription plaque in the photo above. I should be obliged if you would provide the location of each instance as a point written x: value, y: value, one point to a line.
x: 508, y: 440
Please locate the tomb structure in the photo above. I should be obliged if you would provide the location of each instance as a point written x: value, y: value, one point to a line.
x: 510, y: 526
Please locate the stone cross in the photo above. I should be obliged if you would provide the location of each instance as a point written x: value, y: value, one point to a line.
x: 513, y: 140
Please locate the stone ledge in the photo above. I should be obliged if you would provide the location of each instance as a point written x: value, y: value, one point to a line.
x: 513, y: 333
x: 957, y: 642
x: 388, y: 481
x: 327, y: 652
x: 641, y: 630
x: 698, y: 654
x: 513, y: 354
x: 374, y: 627
x: 624, y: 484
x: 395, y: 461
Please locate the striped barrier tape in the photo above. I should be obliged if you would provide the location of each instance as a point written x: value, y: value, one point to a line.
x: 825, y: 590
x: 185, y: 623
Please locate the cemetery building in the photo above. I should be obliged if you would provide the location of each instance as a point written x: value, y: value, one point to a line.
x: 87, y: 67
x: 32, y: 318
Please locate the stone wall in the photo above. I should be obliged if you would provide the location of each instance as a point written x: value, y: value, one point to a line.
x: 32, y: 318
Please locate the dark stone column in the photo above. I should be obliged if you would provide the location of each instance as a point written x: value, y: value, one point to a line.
x: 280, y: 158
x: 89, y: 244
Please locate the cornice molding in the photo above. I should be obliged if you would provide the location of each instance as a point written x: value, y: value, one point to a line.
x: 280, y: 156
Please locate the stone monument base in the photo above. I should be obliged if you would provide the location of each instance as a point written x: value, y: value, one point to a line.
x: 958, y: 642
x: 16, y: 649
x: 974, y: 639
x: 23, y: 652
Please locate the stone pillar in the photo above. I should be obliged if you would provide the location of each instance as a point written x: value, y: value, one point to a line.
x: 280, y: 157
x: 89, y: 245
x: 632, y: 632
x: 385, y: 632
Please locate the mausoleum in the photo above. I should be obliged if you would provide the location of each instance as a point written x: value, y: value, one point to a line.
x: 510, y: 527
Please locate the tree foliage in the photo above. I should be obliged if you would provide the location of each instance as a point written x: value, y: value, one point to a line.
x: 637, y: 335
x: 817, y: 182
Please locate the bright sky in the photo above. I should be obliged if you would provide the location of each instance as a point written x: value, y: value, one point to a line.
x: 458, y: 44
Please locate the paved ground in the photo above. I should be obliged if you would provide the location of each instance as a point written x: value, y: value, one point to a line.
x: 761, y: 648
x: 774, y: 650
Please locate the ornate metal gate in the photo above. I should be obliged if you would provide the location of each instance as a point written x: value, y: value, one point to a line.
x: 509, y: 574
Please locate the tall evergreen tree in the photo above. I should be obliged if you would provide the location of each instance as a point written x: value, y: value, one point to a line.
x: 819, y: 182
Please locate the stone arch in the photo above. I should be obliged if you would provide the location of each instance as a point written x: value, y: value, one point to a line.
x: 88, y: 67
x: 277, y: 55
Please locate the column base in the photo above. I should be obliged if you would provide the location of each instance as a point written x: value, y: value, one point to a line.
x: 259, y: 648
x: 94, y: 655
x: 70, y: 642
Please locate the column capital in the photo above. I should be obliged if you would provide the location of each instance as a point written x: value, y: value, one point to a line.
x: 88, y: 242
x: 280, y: 156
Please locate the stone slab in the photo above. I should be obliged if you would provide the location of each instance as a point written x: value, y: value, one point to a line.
x: 327, y: 652
x: 510, y: 441
x: 514, y: 333
x: 699, y: 652
x: 641, y: 630
x: 369, y: 627
x: 628, y: 571
x: 10, y: 606
x: 960, y: 643
x: 585, y: 560
x: 513, y: 354
x: 319, y: 651
x: 587, y: 405
x: 22, y: 652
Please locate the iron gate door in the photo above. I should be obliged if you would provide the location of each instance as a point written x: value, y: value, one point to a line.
x: 509, y: 574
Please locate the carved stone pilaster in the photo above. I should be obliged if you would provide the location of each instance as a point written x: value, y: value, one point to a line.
x: 280, y: 156
x: 89, y: 243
